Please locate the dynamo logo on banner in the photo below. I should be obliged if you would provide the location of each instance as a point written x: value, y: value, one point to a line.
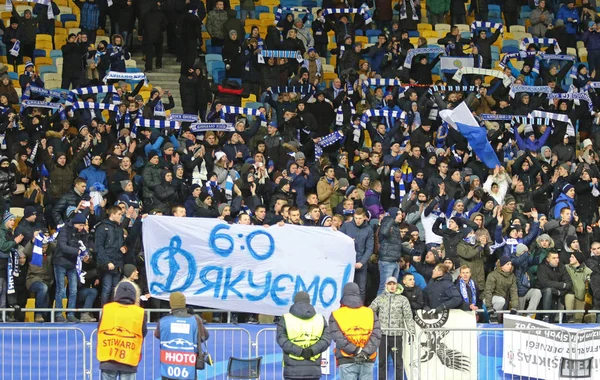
x: 246, y: 268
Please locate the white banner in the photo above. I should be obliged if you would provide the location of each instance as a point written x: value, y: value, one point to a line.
x: 246, y: 268
x: 546, y: 351
x: 455, y: 63
x: 442, y: 352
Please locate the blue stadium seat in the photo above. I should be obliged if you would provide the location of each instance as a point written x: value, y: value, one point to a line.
x: 214, y: 49
x: 262, y: 9
x: 510, y: 43
x: 359, y: 32
x: 373, y: 39
x: 213, y: 57
x: 495, y: 49
x: 13, y: 76
x: 238, y: 80
x: 413, y: 33
x: 67, y: 17
x: 309, y: 4
x: 373, y: 32
x: 213, y: 66
x: 524, y: 14
x: 55, y: 53
x: 47, y: 69
x: 496, y: 19
x: 254, y: 105
x: 218, y: 76
x: 39, y: 53
x: 525, y: 8
x: 133, y: 70
x: 466, y: 35
x: 493, y: 7
x: 510, y: 49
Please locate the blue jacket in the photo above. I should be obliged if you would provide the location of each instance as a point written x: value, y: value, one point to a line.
x: 364, y: 240
x: 561, y: 202
x: 92, y: 175
x: 529, y: 78
x: 565, y: 13
x: 419, y: 279
x: 300, y: 183
x: 118, y: 55
x: 520, y: 265
x: 591, y: 40
x: 534, y: 146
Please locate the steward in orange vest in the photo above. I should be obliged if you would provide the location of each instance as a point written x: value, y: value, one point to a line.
x: 121, y: 332
x: 355, y: 330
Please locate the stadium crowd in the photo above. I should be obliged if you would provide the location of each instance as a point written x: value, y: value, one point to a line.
x: 365, y: 152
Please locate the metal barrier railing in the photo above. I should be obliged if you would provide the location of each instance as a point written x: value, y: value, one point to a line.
x: 223, y: 342
x: 28, y: 352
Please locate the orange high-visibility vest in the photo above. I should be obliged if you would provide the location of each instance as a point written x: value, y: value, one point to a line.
x: 120, y: 334
x: 356, y: 325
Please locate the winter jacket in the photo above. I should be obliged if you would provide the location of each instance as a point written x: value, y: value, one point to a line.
x: 390, y: 246
x: 373, y: 204
x: 7, y: 183
x: 559, y: 232
x: 594, y: 264
x: 61, y: 177
x: 474, y: 256
x: 72, y: 53
x: 152, y: 178
x: 351, y: 299
x: 92, y: 175
x: 591, y: 40
x: 69, y: 199
x: 438, y: 7
x: 441, y: 292
x: 28, y: 26
x: 90, y: 15
x: 68, y: 246
x: 556, y: 278
x: 564, y: 13
x: 214, y: 23
x: 394, y: 312
x: 501, y: 284
x: 579, y: 275
x: 43, y: 274
x: 563, y: 201
x: 152, y: 26
x: 538, y: 27
x: 301, y: 369
x: 415, y: 298
x: 108, y: 242
x: 452, y: 238
x: 363, y: 240
x: 325, y: 190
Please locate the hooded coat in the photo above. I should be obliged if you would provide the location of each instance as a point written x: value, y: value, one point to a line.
x: 441, y: 292
x: 301, y: 369
x: 394, y: 312
x: 501, y: 284
x: 351, y: 299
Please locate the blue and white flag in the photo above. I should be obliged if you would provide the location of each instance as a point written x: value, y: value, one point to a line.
x: 413, y: 52
x: 521, y: 55
x: 326, y: 141
x: 205, y: 127
x: 455, y: 63
x: 462, y: 120
x: 540, y: 41
x: 116, y: 75
x: 58, y: 94
x: 486, y: 25
x: 241, y: 111
x: 555, y: 116
x: 14, y: 51
x: 575, y: 96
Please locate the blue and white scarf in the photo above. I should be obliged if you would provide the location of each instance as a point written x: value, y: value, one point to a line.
x: 576, y: 96
x: 241, y: 111
x: 433, y: 89
x: 159, y: 109
x: 14, y: 51
x: 389, y: 82
x: 39, y: 104
x: 591, y: 85
x: 326, y: 141
x: 506, y: 81
x: 95, y: 106
x: 561, y: 57
x: 205, y: 127
x: 540, y: 41
x: 94, y: 90
x: 413, y: 52
x: 229, y: 182
x: 465, y: 294
x: 413, y: 7
x: 116, y: 75
x: 300, y: 89
x: 519, y: 55
x: 79, y: 264
x: 557, y: 117
x: 530, y: 89
x: 401, y: 188
x: 12, y: 270
x: 280, y: 10
x: 290, y: 54
x: 486, y: 24
x: 57, y: 94
x: 152, y: 123
x: 363, y: 11
x: 183, y: 118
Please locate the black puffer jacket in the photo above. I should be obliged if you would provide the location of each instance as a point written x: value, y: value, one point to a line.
x: 7, y: 183
x: 301, y: 369
x: 441, y: 291
x: 68, y: 245
x: 108, y: 242
x: 390, y: 248
x: 71, y: 198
